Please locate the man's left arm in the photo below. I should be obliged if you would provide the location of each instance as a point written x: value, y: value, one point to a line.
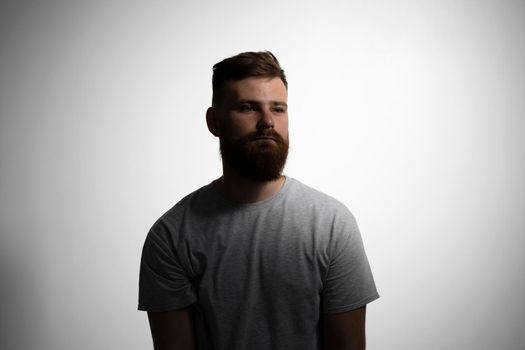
x: 345, y: 330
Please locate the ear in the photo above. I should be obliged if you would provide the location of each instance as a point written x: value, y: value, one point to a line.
x: 212, y: 119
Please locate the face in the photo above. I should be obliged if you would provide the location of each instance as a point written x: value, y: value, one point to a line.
x: 252, y: 125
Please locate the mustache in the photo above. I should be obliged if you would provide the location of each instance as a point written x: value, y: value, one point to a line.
x: 265, y: 134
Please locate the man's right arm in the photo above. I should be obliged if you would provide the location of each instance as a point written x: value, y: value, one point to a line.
x: 172, y: 330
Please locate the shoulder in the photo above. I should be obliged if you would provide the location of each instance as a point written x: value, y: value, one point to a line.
x: 173, y: 216
x: 317, y: 200
x: 326, y: 216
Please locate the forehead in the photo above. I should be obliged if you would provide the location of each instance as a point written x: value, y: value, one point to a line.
x: 257, y: 89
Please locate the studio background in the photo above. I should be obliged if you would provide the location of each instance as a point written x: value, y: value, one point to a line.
x: 412, y: 113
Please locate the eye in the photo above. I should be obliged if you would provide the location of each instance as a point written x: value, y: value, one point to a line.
x: 245, y: 108
x: 279, y: 109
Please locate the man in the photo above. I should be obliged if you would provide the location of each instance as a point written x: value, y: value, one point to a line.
x: 255, y: 259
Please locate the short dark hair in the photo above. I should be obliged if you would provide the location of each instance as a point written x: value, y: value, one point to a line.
x: 245, y: 65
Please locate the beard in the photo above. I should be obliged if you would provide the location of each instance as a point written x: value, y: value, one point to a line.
x: 256, y: 160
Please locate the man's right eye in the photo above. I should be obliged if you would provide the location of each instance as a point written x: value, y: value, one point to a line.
x: 245, y: 108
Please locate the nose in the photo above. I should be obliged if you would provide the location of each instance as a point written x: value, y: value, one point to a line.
x: 265, y: 120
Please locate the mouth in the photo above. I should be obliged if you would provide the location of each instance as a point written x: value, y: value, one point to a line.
x: 265, y: 138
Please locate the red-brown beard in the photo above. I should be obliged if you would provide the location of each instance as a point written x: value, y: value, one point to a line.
x: 255, y: 160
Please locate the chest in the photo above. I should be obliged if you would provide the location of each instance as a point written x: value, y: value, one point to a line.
x: 233, y: 256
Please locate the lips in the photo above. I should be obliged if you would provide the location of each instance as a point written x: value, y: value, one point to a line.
x: 265, y: 138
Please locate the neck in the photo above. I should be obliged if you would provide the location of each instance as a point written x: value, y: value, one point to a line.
x: 240, y: 189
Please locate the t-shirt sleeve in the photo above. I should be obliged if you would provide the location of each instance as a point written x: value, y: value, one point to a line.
x: 349, y: 283
x: 164, y: 285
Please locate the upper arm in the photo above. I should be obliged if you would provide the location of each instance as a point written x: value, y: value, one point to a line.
x: 345, y: 330
x: 348, y: 282
x: 172, y: 330
x: 165, y: 280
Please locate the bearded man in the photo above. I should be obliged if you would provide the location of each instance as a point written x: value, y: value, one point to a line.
x: 255, y: 259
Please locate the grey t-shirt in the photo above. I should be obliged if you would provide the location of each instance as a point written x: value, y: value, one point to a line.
x: 259, y: 275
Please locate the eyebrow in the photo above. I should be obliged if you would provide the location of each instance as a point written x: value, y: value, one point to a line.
x: 272, y: 102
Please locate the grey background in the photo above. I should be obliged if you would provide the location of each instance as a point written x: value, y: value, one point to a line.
x: 410, y: 112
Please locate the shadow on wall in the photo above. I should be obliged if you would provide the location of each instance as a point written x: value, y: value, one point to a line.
x: 20, y: 309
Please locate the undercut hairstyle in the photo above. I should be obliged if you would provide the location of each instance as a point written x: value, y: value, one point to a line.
x: 245, y: 65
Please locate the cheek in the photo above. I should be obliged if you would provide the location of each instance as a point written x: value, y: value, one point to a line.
x: 237, y: 127
x: 244, y: 124
x: 282, y: 126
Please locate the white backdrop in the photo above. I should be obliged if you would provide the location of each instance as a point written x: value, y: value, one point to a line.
x: 412, y: 113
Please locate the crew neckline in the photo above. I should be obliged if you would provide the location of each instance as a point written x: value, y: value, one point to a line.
x: 247, y: 206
